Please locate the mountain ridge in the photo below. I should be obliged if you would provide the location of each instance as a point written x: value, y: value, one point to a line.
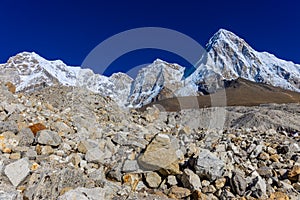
x: 228, y: 57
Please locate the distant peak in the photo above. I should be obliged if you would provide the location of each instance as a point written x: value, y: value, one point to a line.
x: 26, y: 53
x: 223, y: 31
x: 159, y: 61
x: 222, y: 35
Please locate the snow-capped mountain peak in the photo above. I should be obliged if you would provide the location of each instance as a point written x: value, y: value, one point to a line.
x: 228, y: 57
x: 30, y: 71
x: 154, y: 78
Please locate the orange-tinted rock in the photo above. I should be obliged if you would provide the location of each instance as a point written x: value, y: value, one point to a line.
x: 279, y: 196
x: 179, y: 192
x: 36, y: 128
x: 294, y: 173
x: 11, y: 87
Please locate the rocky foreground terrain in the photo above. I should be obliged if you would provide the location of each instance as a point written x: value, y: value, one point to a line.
x: 69, y: 143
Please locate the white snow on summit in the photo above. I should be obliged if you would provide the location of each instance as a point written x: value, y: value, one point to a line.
x: 228, y: 57
x: 231, y: 57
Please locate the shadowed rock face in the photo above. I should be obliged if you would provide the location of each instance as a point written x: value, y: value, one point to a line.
x: 239, y: 92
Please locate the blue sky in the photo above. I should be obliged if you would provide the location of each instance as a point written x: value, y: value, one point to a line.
x: 69, y: 30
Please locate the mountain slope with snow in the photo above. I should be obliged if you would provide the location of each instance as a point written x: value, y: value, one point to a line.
x: 152, y: 80
x: 29, y: 71
x: 228, y: 57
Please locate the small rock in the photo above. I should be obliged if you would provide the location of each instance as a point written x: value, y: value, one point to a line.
x: 95, y: 155
x: 84, y: 194
x: 34, y: 166
x: 265, y: 172
x: 178, y: 192
x: 26, y: 137
x: 15, y: 156
x: 47, y: 150
x: 9, y: 195
x: 31, y: 154
x: 209, y: 189
x: 171, y: 180
x: 17, y: 171
x: 294, y: 173
x: 130, y: 166
x: 279, y: 196
x: 85, y: 145
x: 153, y: 179
x: 271, y: 132
x: 275, y: 158
x: 209, y: 166
x: 132, y: 180
x: 185, y: 130
x: 258, y: 149
x: 190, y: 180
x: 8, y: 126
x: 296, y: 186
x: 36, y: 128
x: 8, y: 141
x: 205, y: 183
x: 238, y: 183
x: 264, y: 156
x: 48, y: 137
x: 75, y: 159
x: 226, y: 194
x: 197, y: 194
x: 283, y: 149
x: 220, y: 183
x: 11, y: 87
x: 127, y: 139
x: 259, y: 187
x: 271, y: 150
x: 61, y: 127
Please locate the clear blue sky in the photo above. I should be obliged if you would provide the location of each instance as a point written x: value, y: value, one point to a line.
x: 69, y: 30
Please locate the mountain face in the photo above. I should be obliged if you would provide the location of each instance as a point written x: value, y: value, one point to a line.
x: 159, y: 78
x: 29, y: 72
x: 229, y: 57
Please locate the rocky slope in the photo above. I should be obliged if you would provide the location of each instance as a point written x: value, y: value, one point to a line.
x: 83, y: 146
x: 238, y: 92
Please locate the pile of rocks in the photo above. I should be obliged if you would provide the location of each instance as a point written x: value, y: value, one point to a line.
x: 68, y: 143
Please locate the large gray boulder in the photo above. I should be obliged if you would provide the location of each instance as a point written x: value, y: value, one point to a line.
x: 84, y: 194
x: 17, y: 171
x: 48, y: 137
x: 209, y: 166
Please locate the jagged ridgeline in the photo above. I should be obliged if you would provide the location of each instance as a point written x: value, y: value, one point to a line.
x: 65, y: 132
x: 229, y: 58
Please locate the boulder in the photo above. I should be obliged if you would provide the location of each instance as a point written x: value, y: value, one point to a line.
x: 84, y: 194
x: 48, y: 137
x: 160, y: 154
x: 209, y: 166
x: 153, y: 179
x: 17, y: 171
x: 190, y: 180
